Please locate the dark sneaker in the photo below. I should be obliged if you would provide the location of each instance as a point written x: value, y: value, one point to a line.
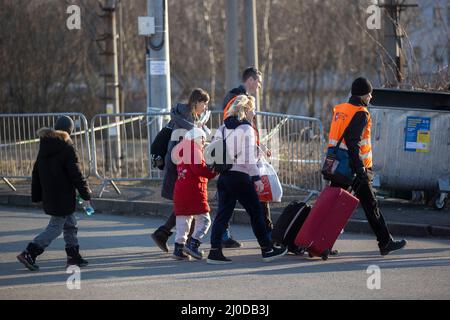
x: 160, y: 237
x: 74, y: 258
x: 178, y: 252
x: 216, y: 257
x: 295, y: 250
x: 191, y: 249
x: 392, y: 246
x: 231, y: 243
x: 270, y: 254
x: 28, y: 261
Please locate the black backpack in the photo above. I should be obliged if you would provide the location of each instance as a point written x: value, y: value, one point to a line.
x: 159, y: 146
x: 218, y: 146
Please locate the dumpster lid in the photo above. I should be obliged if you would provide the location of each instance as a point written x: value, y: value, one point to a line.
x: 411, y: 99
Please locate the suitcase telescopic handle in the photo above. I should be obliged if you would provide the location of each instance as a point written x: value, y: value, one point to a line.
x: 352, y: 189
x: 310, y: 195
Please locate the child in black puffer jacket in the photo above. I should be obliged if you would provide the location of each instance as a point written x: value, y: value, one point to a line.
x: 56, y: 175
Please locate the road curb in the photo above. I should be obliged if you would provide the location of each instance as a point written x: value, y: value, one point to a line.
x: 158, y: 209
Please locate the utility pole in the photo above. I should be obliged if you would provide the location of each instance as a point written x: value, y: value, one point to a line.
x: 121, y: 62
x: 156, y: 29
x: 111, y: 96
x: 251, y: 39
x: 393, y: 41
x: 158, y: 60
x: 232, y: 46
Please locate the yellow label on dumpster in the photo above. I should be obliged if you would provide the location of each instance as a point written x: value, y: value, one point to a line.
x: 417, y: 134
x: 423, y: 139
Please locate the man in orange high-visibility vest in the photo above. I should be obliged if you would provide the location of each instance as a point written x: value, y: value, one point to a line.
x: 251, y: 83
x: 357, y: 142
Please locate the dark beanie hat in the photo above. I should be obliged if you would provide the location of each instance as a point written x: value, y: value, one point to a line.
x: 361, y: 87
x: 64, y: 123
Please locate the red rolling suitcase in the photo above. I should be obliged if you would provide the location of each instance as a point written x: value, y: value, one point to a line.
x: 327, y: 218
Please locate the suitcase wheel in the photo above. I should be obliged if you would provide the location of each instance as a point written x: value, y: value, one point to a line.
x: 325, y: 254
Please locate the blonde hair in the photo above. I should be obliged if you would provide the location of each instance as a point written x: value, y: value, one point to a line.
x: 240, y: 106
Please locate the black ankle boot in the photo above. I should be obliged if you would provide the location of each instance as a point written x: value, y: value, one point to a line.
x: 192, y: 249
x: 74, y: 258
x: 28, y: 256
x: 160, y: 236
x: 392, y: 246
x: 178, y: 252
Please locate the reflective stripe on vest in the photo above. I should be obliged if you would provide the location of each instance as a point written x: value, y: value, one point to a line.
x: 366, y: 156
x: 335, y: 142
x: 225, y: 110
x: 342, y: 116
x: 344, y: 147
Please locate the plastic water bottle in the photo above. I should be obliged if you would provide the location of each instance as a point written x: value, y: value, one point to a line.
x: 85, y: 205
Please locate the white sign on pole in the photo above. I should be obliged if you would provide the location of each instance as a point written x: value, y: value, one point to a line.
x: 110, y: 110
x: 158, y: 67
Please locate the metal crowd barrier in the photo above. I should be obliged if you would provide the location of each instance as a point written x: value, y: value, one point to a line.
x: 120, y: 147
x: 297, y: 144
x: 19, y: 142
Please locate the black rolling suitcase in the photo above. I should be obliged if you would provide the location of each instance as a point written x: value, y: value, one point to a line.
x: 289, y: 223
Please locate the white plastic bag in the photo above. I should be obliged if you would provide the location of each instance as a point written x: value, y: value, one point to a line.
x: 273, y: 191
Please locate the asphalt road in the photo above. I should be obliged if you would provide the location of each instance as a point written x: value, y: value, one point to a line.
x: 125, y: 264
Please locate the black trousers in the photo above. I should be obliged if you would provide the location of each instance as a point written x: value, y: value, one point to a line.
x: 369, y: 203
x: 171, y: 221
x: 233, y: 187
x: 267, y: 217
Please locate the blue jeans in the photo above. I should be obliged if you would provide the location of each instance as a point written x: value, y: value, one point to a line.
x: 57, y: 225
x: 236, y: 186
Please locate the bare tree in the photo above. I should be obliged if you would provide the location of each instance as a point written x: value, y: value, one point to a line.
x: 309, y: 53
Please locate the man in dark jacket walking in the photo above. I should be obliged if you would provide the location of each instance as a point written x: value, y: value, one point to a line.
x: 56, y: 175
x: 251, y: 83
